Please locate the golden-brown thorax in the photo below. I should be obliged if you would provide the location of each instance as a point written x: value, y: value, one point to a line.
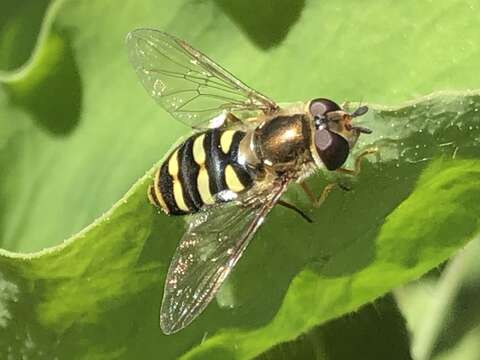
x: 283, y: 141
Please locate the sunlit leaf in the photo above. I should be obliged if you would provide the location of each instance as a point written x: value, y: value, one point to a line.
x: 77, y: 130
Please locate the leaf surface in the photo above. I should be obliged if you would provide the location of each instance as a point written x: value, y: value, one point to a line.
x: 77, y: 129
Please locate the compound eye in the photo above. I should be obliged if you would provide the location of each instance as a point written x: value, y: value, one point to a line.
x: 332, y: 148
x: 320, y: 107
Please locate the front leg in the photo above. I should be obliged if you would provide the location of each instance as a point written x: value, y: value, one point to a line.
x: 358, y: 162
x: 318, y: 201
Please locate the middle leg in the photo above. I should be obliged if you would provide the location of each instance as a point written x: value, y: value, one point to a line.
x: 317, y: 201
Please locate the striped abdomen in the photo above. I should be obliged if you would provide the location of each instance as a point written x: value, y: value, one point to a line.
x: 203, y: 166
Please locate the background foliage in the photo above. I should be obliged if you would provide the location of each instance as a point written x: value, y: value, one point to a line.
x: 77, y: 130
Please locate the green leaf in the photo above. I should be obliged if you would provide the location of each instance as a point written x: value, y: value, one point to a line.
x: 376, y: 331
x: 79, y: 129
x: 387, y: 231
x: 76, y: 130
x: 442, y: 309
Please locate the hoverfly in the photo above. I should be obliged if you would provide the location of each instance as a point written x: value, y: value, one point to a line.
x: 235, y: 167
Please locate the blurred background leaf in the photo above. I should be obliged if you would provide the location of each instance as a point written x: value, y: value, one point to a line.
x: 442, y: 309
x: 77, y: 130
x: 375, y: 331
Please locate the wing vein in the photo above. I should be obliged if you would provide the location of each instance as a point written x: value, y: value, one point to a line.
x: 174, y: 73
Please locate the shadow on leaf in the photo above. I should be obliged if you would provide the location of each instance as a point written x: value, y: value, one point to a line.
x: 266, y: 23
x: 56, y: 73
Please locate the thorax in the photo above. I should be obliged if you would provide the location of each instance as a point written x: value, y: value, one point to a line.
x: 281, y: 143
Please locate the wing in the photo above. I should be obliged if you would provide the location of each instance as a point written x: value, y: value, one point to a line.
x: 188, y: 84
x: 214, y: 241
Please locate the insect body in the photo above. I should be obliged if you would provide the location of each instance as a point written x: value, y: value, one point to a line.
x: 200, y: 170
x: 230, y: 173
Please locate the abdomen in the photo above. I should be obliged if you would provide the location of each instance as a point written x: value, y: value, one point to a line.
x: 198, y: 170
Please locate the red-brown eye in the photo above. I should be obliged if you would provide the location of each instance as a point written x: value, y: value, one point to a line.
x: 320, y: 107
x: 332, y: 148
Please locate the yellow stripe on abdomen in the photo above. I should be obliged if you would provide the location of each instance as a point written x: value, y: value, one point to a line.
x: 203, y: 181
x: 203, y: 186
x: 198, y: 150
x: 157, y: 194
x: 226, y: 140
x: 232, y: 180
x: 173, y: 165
x: 178, y: 195
x: 177, y: 186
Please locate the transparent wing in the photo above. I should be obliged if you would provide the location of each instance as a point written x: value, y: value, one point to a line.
x: 214, y: 241
x: 188, y: 84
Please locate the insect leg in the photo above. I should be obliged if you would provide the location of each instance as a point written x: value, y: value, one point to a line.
x: 358, y: 161
x: 294, y: 208
x: 231, y: 120
x: 317, y: 202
